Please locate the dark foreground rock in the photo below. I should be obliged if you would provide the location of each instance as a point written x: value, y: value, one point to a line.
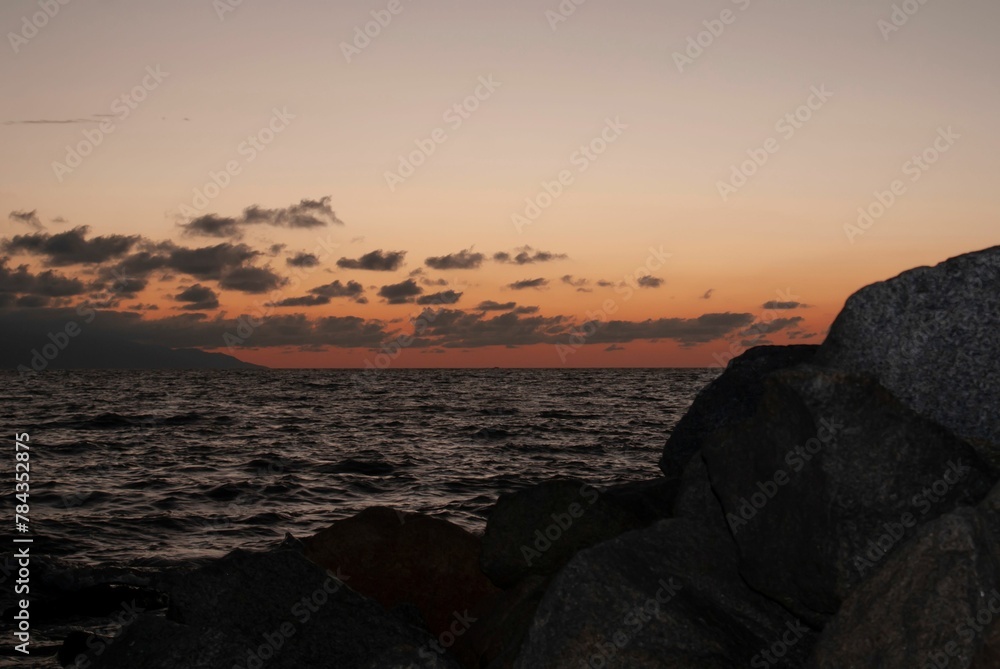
x: 667, y: 596
x: 930, y: 336
x: 274, y: 609
x: 829, y: 464
x: 935, y: 604
x: 534, y: 531
x: 727, y: 400
x: 408, y: 558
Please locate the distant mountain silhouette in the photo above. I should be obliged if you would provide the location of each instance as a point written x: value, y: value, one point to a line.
x: 93, y: 350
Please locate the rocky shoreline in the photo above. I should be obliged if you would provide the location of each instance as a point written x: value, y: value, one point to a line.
x: 826, y: 507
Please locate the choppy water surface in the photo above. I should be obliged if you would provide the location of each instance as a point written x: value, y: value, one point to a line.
x: 146, y: 468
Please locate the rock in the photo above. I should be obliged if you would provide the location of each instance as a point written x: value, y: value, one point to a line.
x: 536, y: 530
x: 930, y: 336
x: 727, y: 400
x: 496, y: 638
x: 78, y: 649
x: 829, y: 464
x: 647, y: 501
x: 275, y: 608
x: 669, y: 595
x: 695, y: 498
x: 398, y: 558
x: 936, y: 603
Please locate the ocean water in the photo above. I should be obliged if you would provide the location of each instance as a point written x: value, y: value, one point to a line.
x: 144, y: 469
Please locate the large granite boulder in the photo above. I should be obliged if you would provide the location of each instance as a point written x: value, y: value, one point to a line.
x: 536, y: 530
x: 727, y: 400
x: 667, y: 596
x: 936, y: 603
x: 408, y: 558
x: 829, y: 465
x: 930, y: 336
x: 273, y: 609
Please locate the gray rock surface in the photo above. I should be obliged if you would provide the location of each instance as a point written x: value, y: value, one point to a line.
x: 534, y: 531
x: 667, y: 596
x: 277, y: 607
x: 829, y: 465
x: 727, y: 400
x: 935, y: 604
x: 932, y: 337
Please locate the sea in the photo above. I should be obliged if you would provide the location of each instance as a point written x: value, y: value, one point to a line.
x: 143, y: 470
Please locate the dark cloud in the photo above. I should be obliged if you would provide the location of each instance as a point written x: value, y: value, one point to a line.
x: 71, y: 247
x: 490, y: 305
x: 46, y: 284
x: 305, y: 214
x: 210, y: 262
x: 526, y: 310
x: 376, y: 261
x: 451, y: 328
x: 29, y: 218
x: 576, y: 283
x: 687, y: 331
x: 303, y: 260
x: 650, y: 282
x: 606, y: 284
x: 198, y: 298
x: 401, y: 293
x: 615, y: 347
x: 446, y: 297
x: 196, y: 330
x: 708, y: 294
x: 769, y: 327
x: 46, y: 121
x: 212, y: 225
x: 352, y: 289
x: 305, y: 301
x: 253, y: 280
x: 528, y: 283
x: 464, y: 259
x: 527, y: 256
x: 32, y: 301
x: 775, y: 304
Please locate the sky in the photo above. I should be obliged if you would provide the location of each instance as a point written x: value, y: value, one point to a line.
x: 414, y: 183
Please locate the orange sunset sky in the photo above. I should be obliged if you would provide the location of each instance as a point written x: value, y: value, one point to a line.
x: 689, y: 176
